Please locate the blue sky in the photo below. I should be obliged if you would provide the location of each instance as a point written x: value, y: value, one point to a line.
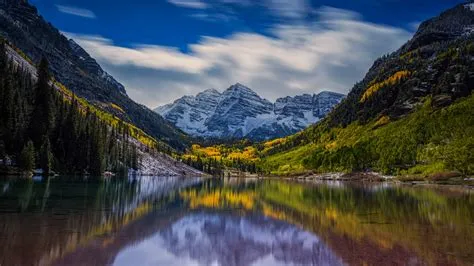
x: 163, y: 49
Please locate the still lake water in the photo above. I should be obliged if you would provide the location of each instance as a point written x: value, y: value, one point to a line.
x: 170, y: 221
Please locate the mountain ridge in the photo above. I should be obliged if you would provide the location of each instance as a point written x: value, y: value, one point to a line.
x: 23, y: 26
x: 412, y: 114
x: 148, y: 160
x: 239, y: 112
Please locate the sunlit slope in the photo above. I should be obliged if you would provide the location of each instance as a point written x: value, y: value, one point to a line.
x: 411, y: 114
x: 424, y: 142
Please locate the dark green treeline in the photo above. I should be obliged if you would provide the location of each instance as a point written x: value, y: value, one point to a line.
x: 42, y: 128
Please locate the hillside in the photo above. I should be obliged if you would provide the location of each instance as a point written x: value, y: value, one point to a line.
x: 71, y: 65
x: 412, y: 114
x: 238, y: 112
x: 44, y: 125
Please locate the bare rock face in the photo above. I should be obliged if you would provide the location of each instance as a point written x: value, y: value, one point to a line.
x: 239, y: 112
x: 23, y: 27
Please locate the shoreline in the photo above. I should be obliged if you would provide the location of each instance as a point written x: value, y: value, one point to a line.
x: 370, y: 177
x: 361, y: 177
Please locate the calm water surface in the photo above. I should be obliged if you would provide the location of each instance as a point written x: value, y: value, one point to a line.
x: 170, y: 221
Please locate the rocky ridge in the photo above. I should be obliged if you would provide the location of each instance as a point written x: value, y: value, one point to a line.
x: 436, y: 62
x: 239, y: 112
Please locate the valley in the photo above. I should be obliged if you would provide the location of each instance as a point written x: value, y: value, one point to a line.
x: 296, y: 167
x: 411, y: 116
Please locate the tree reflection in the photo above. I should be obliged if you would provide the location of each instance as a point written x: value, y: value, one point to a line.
x: 50, y: 218
x: 423, y: 224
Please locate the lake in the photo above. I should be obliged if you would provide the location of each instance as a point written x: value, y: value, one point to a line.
x: 173, y: 221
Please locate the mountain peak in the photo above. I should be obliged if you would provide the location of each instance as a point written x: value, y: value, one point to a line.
x: 240, y: 87
x: 239, y: 112
x: 209, y: 92
x: 449, y: 25
x: 436, y: 63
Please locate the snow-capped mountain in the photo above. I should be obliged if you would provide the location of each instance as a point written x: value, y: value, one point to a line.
x: 239, y: 112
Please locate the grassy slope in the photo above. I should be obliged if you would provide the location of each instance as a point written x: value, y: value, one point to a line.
x: 425, y: 142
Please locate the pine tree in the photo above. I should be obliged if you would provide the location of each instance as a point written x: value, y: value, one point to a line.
x: 3, y: 58
x: 2, y: 149
x: 76, y: 141
x: 42, y: 118
x: 96, y: 152
x: 46, y: 156
x: 27, y: 157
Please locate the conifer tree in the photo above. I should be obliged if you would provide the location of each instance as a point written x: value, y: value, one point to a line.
x: 3, y: 59
x: 76, y: 141
x: 46, y: 156
x: 2, y: 148
x: 43, y: 113
x: 27, y: 157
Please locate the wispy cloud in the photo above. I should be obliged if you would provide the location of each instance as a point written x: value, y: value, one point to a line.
x: 211, y: 17
x: 331, y: 53
x: 81, y: 12
x: 288, y: 8
x: 194, y: 4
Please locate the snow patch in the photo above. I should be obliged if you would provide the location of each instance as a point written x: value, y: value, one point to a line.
x: 468, y: 30
x: 239, y: 111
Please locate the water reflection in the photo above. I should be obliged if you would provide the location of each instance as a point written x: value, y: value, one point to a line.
x: 43, y: 221
x: 225, y: 239
x: 166, y: 221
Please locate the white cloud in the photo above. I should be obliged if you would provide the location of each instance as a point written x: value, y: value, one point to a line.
x: 288, y: 8
x: 195, y: 4
x: 330, y: 54
x: 146, y: 56
x: 80, y: 12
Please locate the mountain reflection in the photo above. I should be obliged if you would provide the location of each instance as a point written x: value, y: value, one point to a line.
x: 226, y: 239
x: 169, y: 221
